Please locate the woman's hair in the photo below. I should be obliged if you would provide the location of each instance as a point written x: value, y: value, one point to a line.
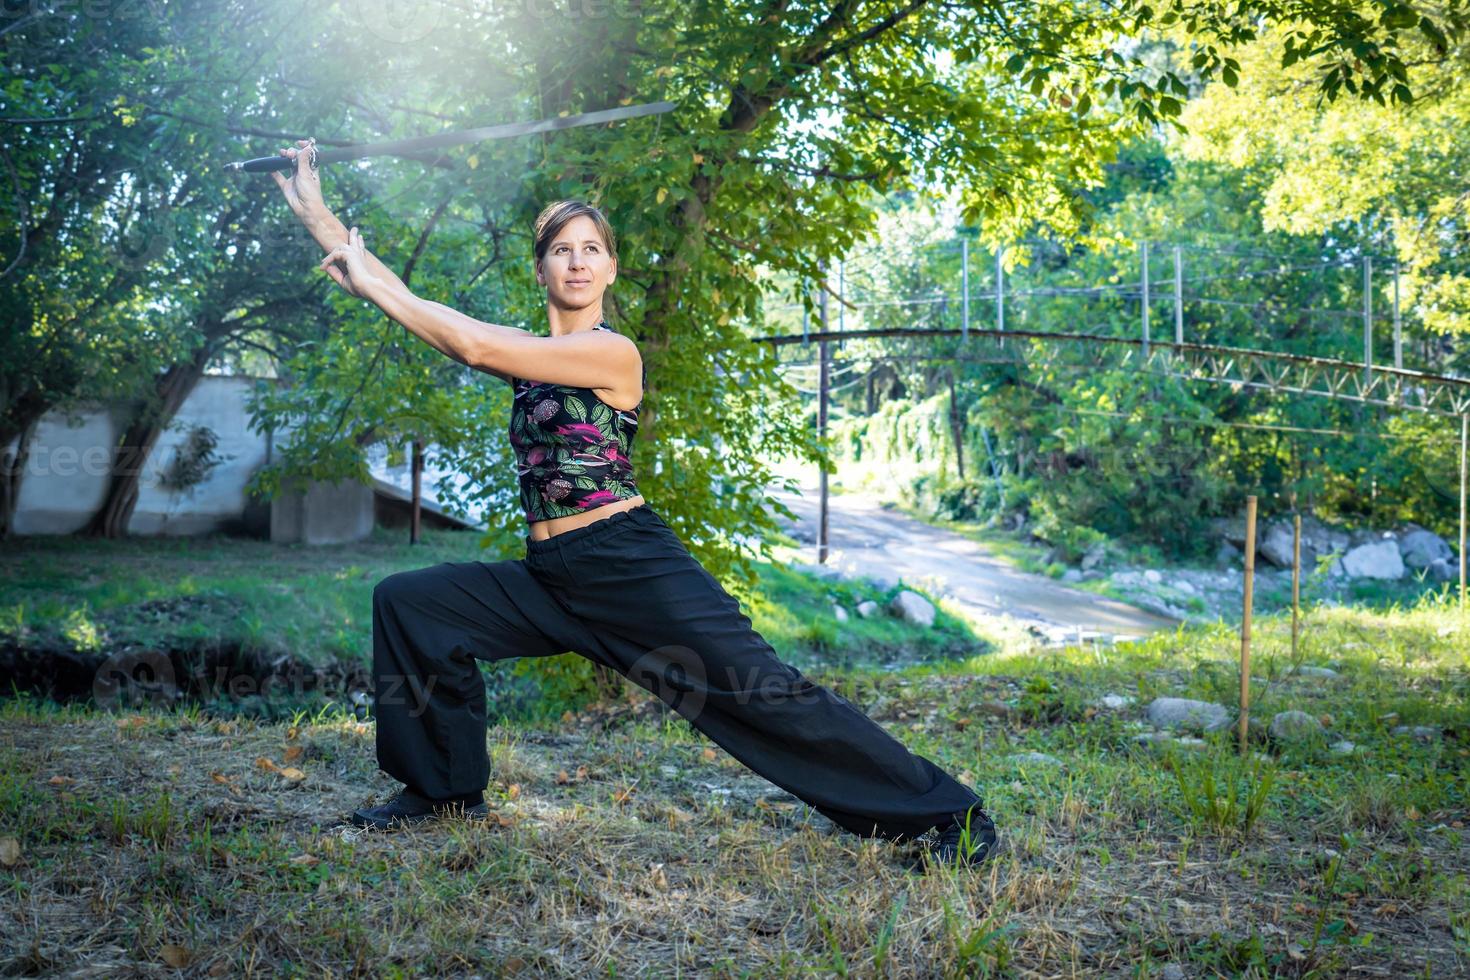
x: 556, y: 214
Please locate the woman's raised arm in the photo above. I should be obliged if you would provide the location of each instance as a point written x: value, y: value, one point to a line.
x: 303, y: 192
x: 589, y: 358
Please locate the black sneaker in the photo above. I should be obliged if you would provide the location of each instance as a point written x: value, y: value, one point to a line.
x: 952, y: 847
x: 407, y: 808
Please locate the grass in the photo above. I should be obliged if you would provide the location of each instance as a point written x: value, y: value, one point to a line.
x: 313, y: 604
x: 625, y: 842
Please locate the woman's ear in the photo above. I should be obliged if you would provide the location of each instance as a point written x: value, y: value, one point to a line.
x: 540, y: 281
x: 612, y: 272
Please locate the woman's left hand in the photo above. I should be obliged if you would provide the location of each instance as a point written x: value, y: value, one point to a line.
x: 347, y: 265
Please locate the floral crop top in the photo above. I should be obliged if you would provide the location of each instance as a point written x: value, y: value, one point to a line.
x: 573, y: 450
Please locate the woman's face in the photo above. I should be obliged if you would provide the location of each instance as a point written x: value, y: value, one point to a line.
x: 577, y: 267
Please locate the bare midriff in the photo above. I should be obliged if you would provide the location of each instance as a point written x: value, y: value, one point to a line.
x: 541, y: 530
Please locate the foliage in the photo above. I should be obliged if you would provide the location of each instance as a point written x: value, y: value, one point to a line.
x: 193, y: 460
x: 1390, y: 170
x: 1079, y: 439
x: 1222, y: 792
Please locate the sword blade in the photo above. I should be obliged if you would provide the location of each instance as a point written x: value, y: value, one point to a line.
x: 438, y: 141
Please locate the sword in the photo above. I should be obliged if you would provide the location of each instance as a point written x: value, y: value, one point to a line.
x: 412, y: 146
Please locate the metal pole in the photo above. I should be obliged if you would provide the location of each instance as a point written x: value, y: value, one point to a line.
x: 1144, y: 247
x: 842, y: 306
x: 1368, y: 317
x: 804, y: 328
x: 1000, y: 296
x: 822, y: 347
x: 418, y: 496
x: 965, y: 289
x: 1398, y: 336
x: 1178, y: 295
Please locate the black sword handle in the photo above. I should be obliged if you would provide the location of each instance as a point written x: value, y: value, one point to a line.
x: 261, y: 165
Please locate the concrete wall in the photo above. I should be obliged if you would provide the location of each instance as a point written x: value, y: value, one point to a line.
x: 323, y: 514
x: 68, y: 467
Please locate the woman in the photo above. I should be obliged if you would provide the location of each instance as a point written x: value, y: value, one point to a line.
x: 603, y: 575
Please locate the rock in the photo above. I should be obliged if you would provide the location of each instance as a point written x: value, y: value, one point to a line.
x: 1188, y: 713
x: 912, y: 608
x: 1323, y: 538
x: 1231, y: 529
x: 1034, y: 759
x: 1153, y: 576
x: 1114, y: 701
x: 1308, y: 671
x: 839, y: 614
x: 1294, y: 726
x: 1423, y: 733
x: 1366, y: 535
x: 867, y: 609
x: 1094, y: 556
x: 1276, y: 546
x: 1377, y: 559
x: 826, y: 573
x: 1171, y: 971
x: 996, y: 709
x: 1072, y: 575
x: 1343, y: 747
x: 1421, y: 548
x: 1444, y: 570
x: 1228, y: 554
x: 1160, y: 740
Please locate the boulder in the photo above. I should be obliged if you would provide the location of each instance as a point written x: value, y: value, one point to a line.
x: 1161, y: 740
x: 1441, y: 570
x: 1421, y: 548
x: 1072, y: 575
x: 1230, y: 529
x: 1378, y: 559
x: 867, y: 609
x: 1188, y: 713
x: 1093, y: 556
x: 1294, y: 726
x: 1275, y: 546
x: 1423, y: 733
x: 1306, y: 670
x: 839, y: 614
x: 912, y: 608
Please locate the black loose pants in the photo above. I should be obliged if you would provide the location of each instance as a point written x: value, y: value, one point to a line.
x: 625, y: 592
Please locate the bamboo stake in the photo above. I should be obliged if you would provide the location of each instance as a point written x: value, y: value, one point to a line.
x: 1296, y: 579
x: 1245, y: 622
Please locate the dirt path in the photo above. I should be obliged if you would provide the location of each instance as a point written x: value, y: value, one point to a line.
x: 887, y: 546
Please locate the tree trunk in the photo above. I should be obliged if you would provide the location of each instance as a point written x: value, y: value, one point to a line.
x: 147, y: 424
x: 13, y: 466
